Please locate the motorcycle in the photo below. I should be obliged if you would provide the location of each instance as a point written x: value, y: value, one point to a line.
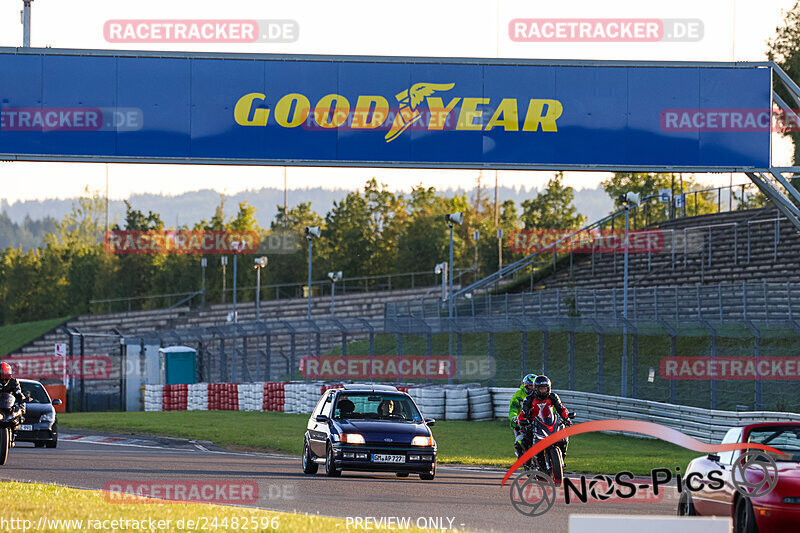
x: 551, y: 459
x: 11, y: 416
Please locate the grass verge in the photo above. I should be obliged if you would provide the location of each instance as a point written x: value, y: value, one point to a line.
x: 475, y: 443
x: 14, y: 336
x: 41, y: 507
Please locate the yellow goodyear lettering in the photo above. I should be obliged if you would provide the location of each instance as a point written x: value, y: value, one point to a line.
x: 469, y: 112
x: 283, y: 110
x: 534, y: 117
x: 440, y: 112
x: 241, y: 112
x: 508, y: 111
x: 335, y: 117
x: 361, y: 114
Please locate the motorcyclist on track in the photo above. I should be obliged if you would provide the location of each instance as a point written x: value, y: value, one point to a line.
x: 544, y: 402
x: 11, y: 386
x: 525, y: 390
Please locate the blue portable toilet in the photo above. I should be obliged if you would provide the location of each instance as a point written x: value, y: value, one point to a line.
x: 178, y: 365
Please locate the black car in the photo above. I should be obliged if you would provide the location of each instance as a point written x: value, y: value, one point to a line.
x: 369, y: 428
x: 40, y: 425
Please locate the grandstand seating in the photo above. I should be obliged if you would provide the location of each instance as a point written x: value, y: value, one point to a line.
x: 368, y: 305
x: 753, y: 245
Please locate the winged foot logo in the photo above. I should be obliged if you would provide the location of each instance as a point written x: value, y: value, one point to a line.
x: 421, y: 106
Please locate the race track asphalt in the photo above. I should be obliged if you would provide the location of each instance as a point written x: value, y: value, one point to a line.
x: 471, y: 497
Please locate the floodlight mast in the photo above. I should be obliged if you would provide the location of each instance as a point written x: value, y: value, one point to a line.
x: 628, y: 201
x: 26, y: 23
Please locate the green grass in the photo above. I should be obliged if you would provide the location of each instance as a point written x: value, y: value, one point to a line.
x: 476, y: 443
x: 14, y: 336
x: 654, y: 344
x: 56, y: 508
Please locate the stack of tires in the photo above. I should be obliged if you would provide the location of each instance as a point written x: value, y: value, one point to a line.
x: 501, y: 398
x: 456, y: 403
x: 290, y: 401
x: 430, y: 400
x: 153, y: 397
x: 223, y: 397
x: 274, y: 397
x: 251, y: 396
x: 198, y: 397
x: 480, y: 404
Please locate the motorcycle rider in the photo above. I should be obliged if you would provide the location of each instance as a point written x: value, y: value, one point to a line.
x: 525, y: 390
x: 544, y: 402
x: 11, y: 386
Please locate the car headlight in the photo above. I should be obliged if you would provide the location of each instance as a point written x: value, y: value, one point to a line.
x: 353, y: 438
x: 48, y: 417
x: 422, y: 441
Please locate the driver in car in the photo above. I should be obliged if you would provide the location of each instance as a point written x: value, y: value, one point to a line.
x: 11, y: 386
x: 543, y: 403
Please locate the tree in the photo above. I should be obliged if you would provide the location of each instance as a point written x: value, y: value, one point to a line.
x: 552, y: 208
x: 784, y: 49
x: 649, y: 184
x: 292, y: 267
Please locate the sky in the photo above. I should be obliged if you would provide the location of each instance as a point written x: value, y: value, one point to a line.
x: 732, y: 30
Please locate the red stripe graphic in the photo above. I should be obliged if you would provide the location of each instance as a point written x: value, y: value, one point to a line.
x: 635, y: 426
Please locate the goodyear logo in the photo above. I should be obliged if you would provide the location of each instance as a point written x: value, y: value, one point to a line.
x: 421, y: 106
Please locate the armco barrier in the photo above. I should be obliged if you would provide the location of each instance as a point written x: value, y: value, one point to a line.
x: 703, y: 424
x: 468, y: 402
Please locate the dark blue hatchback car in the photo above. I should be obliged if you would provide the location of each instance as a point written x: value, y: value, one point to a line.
x: 372, y: 428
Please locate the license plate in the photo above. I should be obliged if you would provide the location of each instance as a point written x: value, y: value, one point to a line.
x: 381, y: 458
x: 26, y: 427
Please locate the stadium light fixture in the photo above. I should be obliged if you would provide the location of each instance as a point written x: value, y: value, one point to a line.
x: 260, y: 262
x: 334, y: 277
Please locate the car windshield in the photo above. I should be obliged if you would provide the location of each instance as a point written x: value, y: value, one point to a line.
x: 34, y: 392
x: 376, y: 406
x: 784, y: 438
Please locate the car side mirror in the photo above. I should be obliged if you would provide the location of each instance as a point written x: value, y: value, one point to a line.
x: 713, y: 457
x: 322, y: 418
x: 430, y: 421
x: 57, y: 402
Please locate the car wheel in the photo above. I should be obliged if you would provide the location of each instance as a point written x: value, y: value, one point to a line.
x: 744, y: 520
x: 330, y: 468
x: 402, y: 474
x: 429, y: 475
x: 686, y: 505
x: 52, y: 443
x: 38, y: 444
x: 309, y: 466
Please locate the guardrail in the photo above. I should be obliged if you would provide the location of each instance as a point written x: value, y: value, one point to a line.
x: 703, y: 424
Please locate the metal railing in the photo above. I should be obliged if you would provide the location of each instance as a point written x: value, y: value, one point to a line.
x: 704, y: 424
x: 721, y: 301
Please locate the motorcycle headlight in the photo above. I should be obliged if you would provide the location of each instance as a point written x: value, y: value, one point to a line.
x: 48, y: 417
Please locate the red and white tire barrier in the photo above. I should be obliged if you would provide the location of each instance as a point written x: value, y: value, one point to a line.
x: 452, y: 402
x: 274, y: 397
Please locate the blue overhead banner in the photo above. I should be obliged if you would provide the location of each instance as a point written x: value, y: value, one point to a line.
x: 79, y: 105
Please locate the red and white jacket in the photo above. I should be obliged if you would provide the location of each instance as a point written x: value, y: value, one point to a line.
x: 533, y: 407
